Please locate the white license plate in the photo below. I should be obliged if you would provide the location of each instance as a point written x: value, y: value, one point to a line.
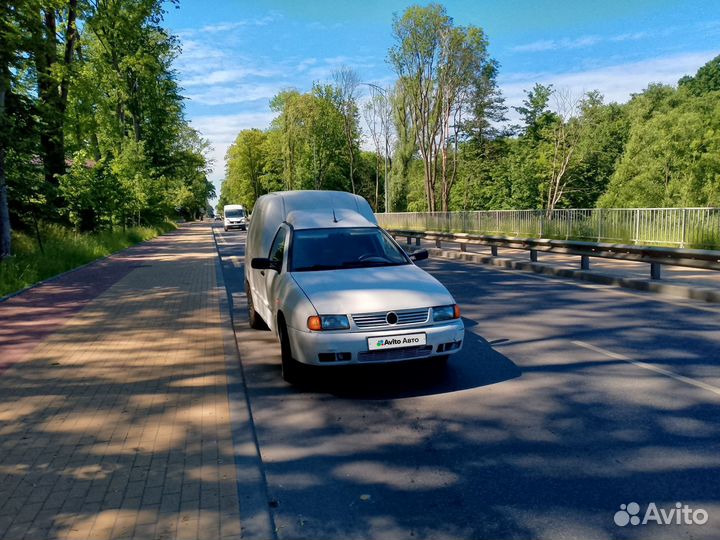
x: 395, y: 342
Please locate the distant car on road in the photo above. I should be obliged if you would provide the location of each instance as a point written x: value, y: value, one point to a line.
x: 337, y: 289
x: 235, y: 217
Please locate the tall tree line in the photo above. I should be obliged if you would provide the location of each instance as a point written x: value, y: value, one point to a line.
x: 449, y: 145
x: 93, y: 132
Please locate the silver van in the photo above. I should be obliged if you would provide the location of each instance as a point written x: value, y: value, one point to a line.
x: 337, y: 289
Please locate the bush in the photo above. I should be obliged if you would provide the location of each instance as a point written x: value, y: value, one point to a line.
x: 63, y: 250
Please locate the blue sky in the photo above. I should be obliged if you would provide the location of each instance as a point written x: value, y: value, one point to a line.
x: 237, y: 54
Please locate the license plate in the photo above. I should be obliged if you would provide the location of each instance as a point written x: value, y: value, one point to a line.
x: 396, y: 342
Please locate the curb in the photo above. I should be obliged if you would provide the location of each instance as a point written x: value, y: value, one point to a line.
x: 256, y: 519
x: 703, y: 294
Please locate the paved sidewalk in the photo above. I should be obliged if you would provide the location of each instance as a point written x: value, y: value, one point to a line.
x: 116, y: 425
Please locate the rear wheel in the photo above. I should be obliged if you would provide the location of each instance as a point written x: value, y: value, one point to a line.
x: 291, y: 368
x: 255, y: 320
x: 225, y: 229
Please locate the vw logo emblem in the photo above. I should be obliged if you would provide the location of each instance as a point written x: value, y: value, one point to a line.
x: 392, y: 318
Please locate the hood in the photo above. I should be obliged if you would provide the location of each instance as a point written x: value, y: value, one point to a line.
x: 366, y: 290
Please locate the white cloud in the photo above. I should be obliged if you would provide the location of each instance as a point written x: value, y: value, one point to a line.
x: 632, y: 36
x: 221, y: 131
x: 552, y: 44
x: 305, y: 64
x: 239, y: 93
x: 577, y: 43
x: 616, y: 82
x: 223, y: 76
x: 234, y: 25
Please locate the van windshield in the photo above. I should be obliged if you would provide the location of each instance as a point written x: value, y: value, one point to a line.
x: 234, y: 213
x: 333, y: 249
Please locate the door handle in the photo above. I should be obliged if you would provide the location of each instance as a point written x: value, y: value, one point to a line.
x: 262, y: 272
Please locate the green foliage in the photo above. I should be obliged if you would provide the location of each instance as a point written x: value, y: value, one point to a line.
x: 707, y: 79
x: 671, y: 158
x: 65, y: 249
x: 93, y: 131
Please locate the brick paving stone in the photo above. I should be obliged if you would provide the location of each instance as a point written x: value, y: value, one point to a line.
x: 114, y: 416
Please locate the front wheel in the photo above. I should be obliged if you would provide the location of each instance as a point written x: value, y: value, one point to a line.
x: 291, y: 368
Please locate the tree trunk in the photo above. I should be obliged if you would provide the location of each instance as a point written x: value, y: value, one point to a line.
x: 5, y: 230
x: 377, y: 181
x: 53, y: 94
x: 352, y: 177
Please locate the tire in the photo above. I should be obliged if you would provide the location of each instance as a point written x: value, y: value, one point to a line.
x: 291, y: 368
x: 225, y: 229
x: 254, y: 319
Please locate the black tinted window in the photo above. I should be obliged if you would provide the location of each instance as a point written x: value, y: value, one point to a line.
x: 327, y: 249
x: 277, y: 250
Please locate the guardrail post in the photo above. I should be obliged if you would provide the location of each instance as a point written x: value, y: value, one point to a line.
x: 463, y: 247
x: 417, y: 241
x: 655, y: 270
x: 684, y: 227
x: 493, y: 251
x: 533, y: 255
x: 409, y: 240
x: 584, y: 262
x: 438, y: 243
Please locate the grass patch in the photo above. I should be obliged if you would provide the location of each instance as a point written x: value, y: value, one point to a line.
x: 63, y: 250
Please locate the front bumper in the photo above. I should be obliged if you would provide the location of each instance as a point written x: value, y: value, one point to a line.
x: 307, y: 347
x: 235, y: 225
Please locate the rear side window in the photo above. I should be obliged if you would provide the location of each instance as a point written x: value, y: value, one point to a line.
x: 277, y: 250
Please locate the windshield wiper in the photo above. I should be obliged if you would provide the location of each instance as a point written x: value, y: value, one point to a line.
x: 364, y: 264
x: 316, y: 267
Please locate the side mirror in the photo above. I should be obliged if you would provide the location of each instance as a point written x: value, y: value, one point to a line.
x: 419, y: 255
x: 260, y: 263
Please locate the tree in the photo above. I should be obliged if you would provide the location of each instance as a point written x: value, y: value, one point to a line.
x: 707, y: 79
x: 562, y: 135
x: 671, y: 159
x: 346, y: 84
x: 437, y: 65
x: 54, y: 74
x: 244, y: 166
x: 405, y: 148
x: 372, y: 112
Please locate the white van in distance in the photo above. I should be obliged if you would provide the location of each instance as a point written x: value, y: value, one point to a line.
x: 337, y: 289
x: 235, y: 217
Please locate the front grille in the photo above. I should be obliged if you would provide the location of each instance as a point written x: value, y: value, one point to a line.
x: 405, y: 353
x: 379, y: 319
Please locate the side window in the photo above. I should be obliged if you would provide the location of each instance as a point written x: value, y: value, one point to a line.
x: 277, y: 250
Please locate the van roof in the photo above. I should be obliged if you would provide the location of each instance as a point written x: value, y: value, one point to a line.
x: 324, y: 219
x: 323, y: 203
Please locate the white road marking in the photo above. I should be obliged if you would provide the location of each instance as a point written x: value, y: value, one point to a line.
x: 638, y: 363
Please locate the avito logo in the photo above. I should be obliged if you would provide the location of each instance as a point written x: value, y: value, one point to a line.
x: 679, y: 515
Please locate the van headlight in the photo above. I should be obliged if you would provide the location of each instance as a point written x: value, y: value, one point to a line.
x: 328, y: 322
x: 446, y: 313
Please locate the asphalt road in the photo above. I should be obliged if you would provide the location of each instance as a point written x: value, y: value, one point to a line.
x: 567, y: 401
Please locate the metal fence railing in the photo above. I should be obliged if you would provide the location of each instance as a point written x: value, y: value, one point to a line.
x: 682, y: 227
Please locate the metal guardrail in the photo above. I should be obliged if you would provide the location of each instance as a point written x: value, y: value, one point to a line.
x: 682, y: 227
x: 654, y: 256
